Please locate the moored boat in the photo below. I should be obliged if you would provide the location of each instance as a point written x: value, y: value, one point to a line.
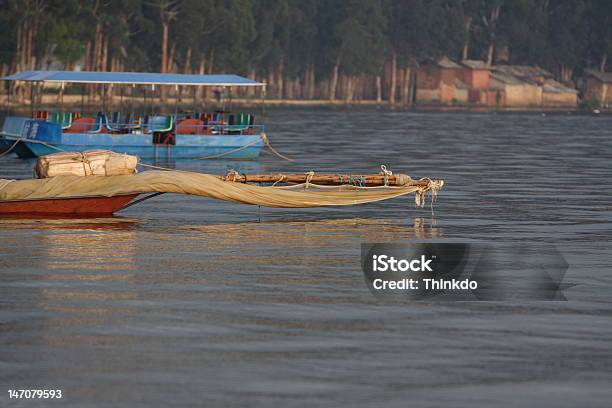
x: 99, y: 183
x: 94, y: 206
x: 204, y: 134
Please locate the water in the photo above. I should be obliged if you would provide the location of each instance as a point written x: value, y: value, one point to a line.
x: 191, y: 302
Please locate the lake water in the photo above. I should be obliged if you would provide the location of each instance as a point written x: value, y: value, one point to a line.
x: 184, y: 301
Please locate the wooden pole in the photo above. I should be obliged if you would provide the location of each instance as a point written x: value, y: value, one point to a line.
x: 367, y: 180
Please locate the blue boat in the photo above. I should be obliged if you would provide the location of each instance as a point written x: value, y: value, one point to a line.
x: 204, y: 135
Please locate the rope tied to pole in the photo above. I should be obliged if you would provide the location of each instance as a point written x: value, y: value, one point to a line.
x: 309, y: 176
x: 386, y: 173
x: 232, y: 173
x: 282, y: 177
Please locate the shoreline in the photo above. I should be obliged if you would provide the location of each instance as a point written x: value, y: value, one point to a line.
x: 73, y: 102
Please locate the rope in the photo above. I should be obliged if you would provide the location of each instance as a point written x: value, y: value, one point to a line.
x: 158, y: 167
x: 433, y: 186
x: 10, y: 148
x: 282, y: 177
x: 44, y: 144
x: 216, y: 156
x: 32, y: 141
x: 386, y: 173
x: 309, y: 177
x: 233, y: 173
x: 266, y: 141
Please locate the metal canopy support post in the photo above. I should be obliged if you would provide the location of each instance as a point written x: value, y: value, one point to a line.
x: 229, y: 95
x: 83, y: 100
x: 195, y: 92
x: 263, y: 101
x: 144, y: 101
x: 32, y: 99
x: 132, y: 111
x: 152, y: 98
x: 111, y: 105
x: 175, y: 101
x: 40, y: 94
x: 8, y: 99
x: 223, y: 99
x: 104, y: 98
x: 62, y: 97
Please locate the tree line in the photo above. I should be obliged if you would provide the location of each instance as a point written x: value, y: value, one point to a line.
x: 306, y: 49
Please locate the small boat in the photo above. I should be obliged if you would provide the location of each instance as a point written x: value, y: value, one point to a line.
x: 94, y: 206
x: 212, y: 134
x: 100, y: 183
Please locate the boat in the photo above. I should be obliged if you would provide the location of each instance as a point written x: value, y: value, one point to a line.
x: 102, y: 183
x: 199, y: 134
x: 94, y: 206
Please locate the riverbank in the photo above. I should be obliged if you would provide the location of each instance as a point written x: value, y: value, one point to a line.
x: 76, y: 103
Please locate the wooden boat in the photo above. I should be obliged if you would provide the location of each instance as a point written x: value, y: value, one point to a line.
x: 219, y: 134
x: 313, y: 189
x: 71, y: 207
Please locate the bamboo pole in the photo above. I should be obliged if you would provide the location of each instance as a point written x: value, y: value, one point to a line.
x: 368, y: 180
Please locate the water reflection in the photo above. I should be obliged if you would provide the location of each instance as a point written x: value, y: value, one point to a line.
x: 318, y: 233
x: 59, y: 223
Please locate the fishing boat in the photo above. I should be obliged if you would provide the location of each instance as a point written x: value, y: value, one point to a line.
x: 218, y: 133
x: 100, y: 183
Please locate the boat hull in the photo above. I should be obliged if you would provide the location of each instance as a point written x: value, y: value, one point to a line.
x: 39, y: 138
x: 72, y: 206
x: 212, y: 151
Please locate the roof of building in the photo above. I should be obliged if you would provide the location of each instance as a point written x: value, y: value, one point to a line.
x: 503, y: 78
x: 475, y: 64
x: 552, y: 86
x: 446, y: 62
x: 506, y: 79
x: 132, y: 78
x: 602, y: 76
x: 525, y: 72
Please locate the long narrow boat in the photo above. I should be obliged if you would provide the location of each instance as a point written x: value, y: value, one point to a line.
x: 102, y: 183
x: 94, y: 206
x: 216, y: 134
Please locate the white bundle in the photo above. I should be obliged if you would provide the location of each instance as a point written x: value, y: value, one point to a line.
x: 88, y: 163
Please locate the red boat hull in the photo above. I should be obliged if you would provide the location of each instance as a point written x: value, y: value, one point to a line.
x: 79, y: 206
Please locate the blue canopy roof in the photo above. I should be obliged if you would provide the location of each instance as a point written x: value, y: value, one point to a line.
x: 132, y: 78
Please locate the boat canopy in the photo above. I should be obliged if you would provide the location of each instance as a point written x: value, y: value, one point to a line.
x: 137, y: 78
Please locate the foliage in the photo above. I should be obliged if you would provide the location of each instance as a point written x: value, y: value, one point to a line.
x: 291, y: 36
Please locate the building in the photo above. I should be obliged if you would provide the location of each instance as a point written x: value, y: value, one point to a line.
x: 555, y: 94
x: 438, y: 83
x: 531, y: 86
x: 515, y: 92
x: 598, y: 87
x: 473, y: 82
x: 477, y: 76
